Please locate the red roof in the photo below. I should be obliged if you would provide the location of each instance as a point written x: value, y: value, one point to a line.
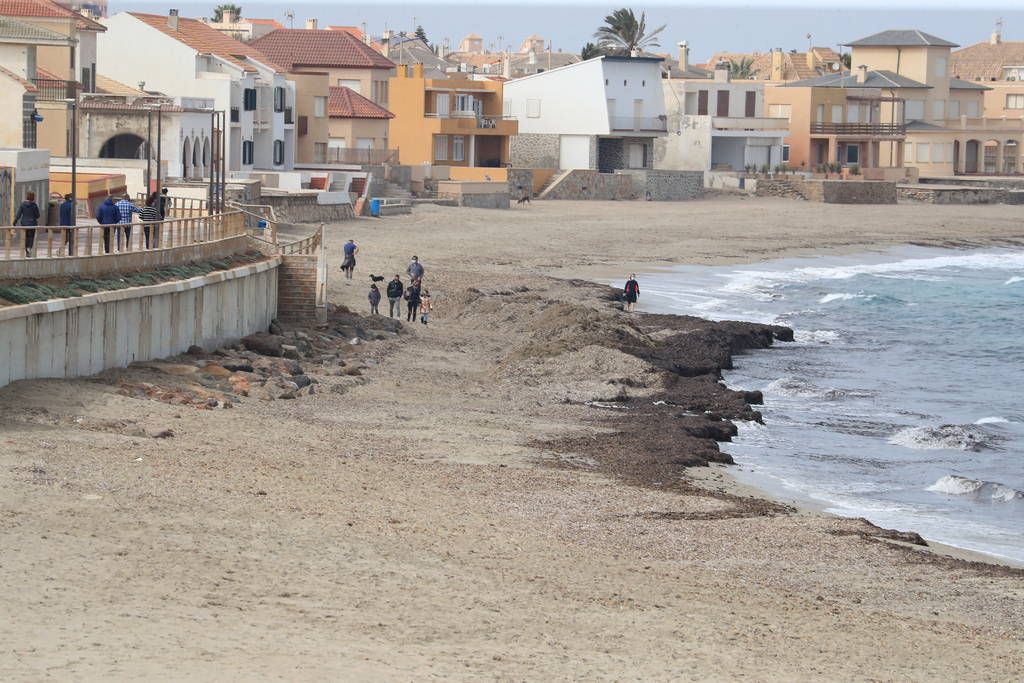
x: 345, y: 103
x: 291, y: 47
x: 47, y: 9
x: 205, y: 39
x: 265, y: 22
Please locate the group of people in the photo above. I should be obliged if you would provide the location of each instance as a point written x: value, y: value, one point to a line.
x: 415, y: 295
x: 109, y: 213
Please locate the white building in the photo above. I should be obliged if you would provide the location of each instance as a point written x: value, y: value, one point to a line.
x: 603, y: 114
x: 191, y: 61
x: 718, y: 124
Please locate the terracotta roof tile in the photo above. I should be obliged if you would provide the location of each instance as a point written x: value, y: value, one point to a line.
x: 345, y: 103
x: 205, y: 39
x: 319, y: 48
x: 108, y: 86
x: 265, y: 22
x: 134, y: 106
x: 46, y: 9
x: 985, y: 62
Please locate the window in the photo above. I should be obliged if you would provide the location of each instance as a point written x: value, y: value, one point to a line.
x: 249, y: 99
x: 353, y: 84
x: 458, y: 148
x: 1015, y: 101
x: 853, y: 113
x: 533, y: 109
x: 972, y: 108
x: 837, y: 113
x: 940, y: 66
x: 643, y: 84
x: 440, y: 148
x: 953, y: 109
x: 606, y: 81
x: 247, y: 153
x: 785, y: 153
x: 914, y: 110
x: 625, y: 83
x: 278, y: 152
x: 780, y: 111
x: 924, y: 153
x: 702, y: 103
x: 380, y: 92
x: 319, y: 152
x: 938, y: 110
x: 819, y: 113
x: 722, y: 105
x: 853, y: 154
x: 750, y: 105
x: 442, y: 104
x: 279, y: 99
x: 319, y: 107
x: 938, y: 153
x: 463, y: 103
x: 908, y: 151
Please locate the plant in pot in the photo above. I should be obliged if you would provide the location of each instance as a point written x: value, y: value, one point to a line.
x: 765, y: 169
x: 855, y: 169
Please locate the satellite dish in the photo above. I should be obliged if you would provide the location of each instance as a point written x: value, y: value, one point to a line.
x: 835, y: 66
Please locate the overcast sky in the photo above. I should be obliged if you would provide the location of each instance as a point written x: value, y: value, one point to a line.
x: 750, y: 25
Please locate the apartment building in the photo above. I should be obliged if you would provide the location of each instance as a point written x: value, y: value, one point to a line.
x: 194, y: 63
x: 358, y: 129
x: 603, y: 113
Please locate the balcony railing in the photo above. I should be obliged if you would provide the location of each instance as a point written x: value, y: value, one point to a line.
x: 638, y: 123
x: 53, y: 90
x: 753, y: 123
x: 374, y: 157
x: 872, y: 129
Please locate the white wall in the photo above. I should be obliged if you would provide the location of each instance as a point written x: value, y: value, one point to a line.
x: 15, y: 58
x: 570, y: 100
x: 633, y: 80
x: 574, y: 152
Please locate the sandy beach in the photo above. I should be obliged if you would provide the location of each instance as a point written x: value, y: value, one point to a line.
x: 450, y: 510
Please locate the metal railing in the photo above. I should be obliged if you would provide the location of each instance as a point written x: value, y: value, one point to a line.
x: 373, y: 157
x: 875, y: 129
x: 638, y: 123
x: 53, y: 90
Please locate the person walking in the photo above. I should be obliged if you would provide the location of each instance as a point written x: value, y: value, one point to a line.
x: 425, y: 307
x: 394, y: 291
x: 150, y: 217
x: 631, y: 292
x: 412, y: 300
x: 28, y: 216
x: 107, y: 215
x: 125, y: 209
x: 66, y: 220
x: 162, y: 206
x: 374, y: 300
x: 349, y: 264
x: 415, y: 269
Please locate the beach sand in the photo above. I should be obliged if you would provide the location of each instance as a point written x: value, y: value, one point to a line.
x: 414, y: 526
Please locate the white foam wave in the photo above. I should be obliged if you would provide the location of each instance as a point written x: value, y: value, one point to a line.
x: 841, y: 296
x: 1014, y: 280
x: 799, y: 388
x: 991, y: 420
x: 975, y: 488
x: 816, y: 336
x: 951, y: 437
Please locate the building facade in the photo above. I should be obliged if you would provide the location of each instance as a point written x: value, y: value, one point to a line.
x: 358, y: 129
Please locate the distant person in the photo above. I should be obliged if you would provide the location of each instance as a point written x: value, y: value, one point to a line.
x: 415, y: 269
x: 126, y: 208
x: 28, y: 216
x: 107, y: 215
x: 165, y: 199
x: 425, y: 306
x: 66, y: 220
x: 349, y: 264
x: 395, y: 289
x: 374, y: 300
x: 150, y: 217
x: 412, y: 300
x: 631, y: 292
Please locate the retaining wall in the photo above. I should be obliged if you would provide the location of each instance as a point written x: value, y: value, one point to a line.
x: 667, y: 186
x: 84, y: 335
x: 934, y: 194
x: 535, y: 150
x: 585, y: 184
x: 485, y: 195
x: 305, y: 208
x: 829, y: 191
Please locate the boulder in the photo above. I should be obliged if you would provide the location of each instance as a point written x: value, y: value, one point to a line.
x: 264, y: 344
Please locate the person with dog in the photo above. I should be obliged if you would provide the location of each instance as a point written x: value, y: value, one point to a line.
x: 394, y: 292
x: 412, y: 300
x: 631, y: 292
x: 415, y: 269
x: 374, y: 297
x: 349, y: 264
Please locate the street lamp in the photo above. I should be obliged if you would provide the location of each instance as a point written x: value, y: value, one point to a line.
x: 73, y: 104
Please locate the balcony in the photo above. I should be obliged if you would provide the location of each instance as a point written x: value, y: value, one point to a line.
x: 474, y: 124
x: 638, y: 124
x: 53, y: 90
x: 877, y: 130
x: 753, y: 124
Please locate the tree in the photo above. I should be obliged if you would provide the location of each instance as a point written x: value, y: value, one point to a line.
x: 624, y: 34
x: 741, y: 69
x: 219, y: 10
x: 590, y: 51
x: 845, y: 59
x: 422, y: 35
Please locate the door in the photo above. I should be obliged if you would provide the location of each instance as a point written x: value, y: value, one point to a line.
x: 636, y: 154
x: 443, y: 104
x: 758, y: 155
x: 574, y: 152
x: 750, y: 106
x: 702, y: 103
x: 723, y: 103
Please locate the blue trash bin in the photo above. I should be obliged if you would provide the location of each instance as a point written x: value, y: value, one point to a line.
x: 375, y: 208
x: 261, y: 225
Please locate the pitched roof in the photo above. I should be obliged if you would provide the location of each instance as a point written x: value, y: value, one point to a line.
x: 49, y: 10
x: 875, y: 79
x: 12, y: 30
x: 345, y: 103
x: 29, y: 86
x: 265, y: 22
x: 902, y: 38
x: 319, y: 47
x: 108, y: 86
x: 960, y: 84
x: 203, y: 38
x: 985, y: 61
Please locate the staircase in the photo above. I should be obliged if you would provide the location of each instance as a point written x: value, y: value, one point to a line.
x: 393, y: 191
x: 296, y: 288
x: 780, y: 187
x: 552, y: 182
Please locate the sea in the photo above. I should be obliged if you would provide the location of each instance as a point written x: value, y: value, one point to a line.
x: 902, y: 398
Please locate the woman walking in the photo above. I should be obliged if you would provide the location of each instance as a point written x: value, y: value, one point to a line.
x: 28, y: 216
x: 374, y: 300
x: 631, y: 292
x: 150, y: 217
x: 412, y: 299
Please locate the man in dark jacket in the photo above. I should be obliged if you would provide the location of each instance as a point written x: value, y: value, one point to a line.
x: 107, y: 214
x: 415, y: 269
x: 395, y: 289
x: 28, y: 215
x: 412, y: 299
x: 67, y: 220
x: 162, y: 204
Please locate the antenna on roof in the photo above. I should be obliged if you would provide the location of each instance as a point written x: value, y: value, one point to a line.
x: 290, y: 16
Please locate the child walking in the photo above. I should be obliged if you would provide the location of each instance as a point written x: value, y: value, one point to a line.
x: 425, y: 307
x: 374, y: 300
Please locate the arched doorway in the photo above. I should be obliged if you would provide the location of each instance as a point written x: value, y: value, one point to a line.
x: 197, y: 159
x: 991, y: 158
x: 971, y: 153
x: 186, y: 159
x: 124, y: 146
x: 206, y: 156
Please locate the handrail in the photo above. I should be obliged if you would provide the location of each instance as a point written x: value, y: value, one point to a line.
x: 270, y: 219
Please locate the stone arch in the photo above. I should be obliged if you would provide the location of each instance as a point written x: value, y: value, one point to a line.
x: 123, y: 146
x: 993, y: 152
x: 972, y: 156
x: 186, y: 159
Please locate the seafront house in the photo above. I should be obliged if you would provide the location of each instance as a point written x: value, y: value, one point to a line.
x: 358, y: 129
x: 603, y: 114
x: 455, y: 121
x: 716, y: 123
x: 781, y: 66
x: 197, y: 64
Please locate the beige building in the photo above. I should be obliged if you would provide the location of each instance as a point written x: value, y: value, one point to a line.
x: 358, y: 129
x: 242, y: 28
x: 312, y: 125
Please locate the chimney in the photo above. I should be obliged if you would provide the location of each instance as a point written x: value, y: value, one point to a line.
x: 228, y: 17
x: 778, y: 64
x: 506, y: 65
x: 172, y: 20
x: 385, y: 42
x: 722, y: 74
x: 684, y: 55
x: 995, y: 38
x: 310, y: 24
x: 531, y: 56
x: 862, y: 73
x: 443, y: 51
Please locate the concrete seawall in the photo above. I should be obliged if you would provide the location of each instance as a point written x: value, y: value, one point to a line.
x: 85, y: 335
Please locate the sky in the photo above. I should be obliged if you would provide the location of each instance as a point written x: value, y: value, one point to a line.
x: 731, y: 25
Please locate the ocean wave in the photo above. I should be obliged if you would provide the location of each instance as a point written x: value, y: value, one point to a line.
x: 816, y: 336
x: 799, y: 388
x: 843, y: 296
x: 1014, y: 280
x: 975, y: 488
x: 991, y: 421
x: 949, y: 437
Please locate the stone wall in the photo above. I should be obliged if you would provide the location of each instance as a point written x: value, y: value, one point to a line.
x: 828, y: 191
x: 477, y: 195
x: 534, y: 150
x: 520, y: 182
x: 667, y: 186
x: 88, y: 334
x: 954, y: 195
x: 303, y: 208
x: 584, y: 184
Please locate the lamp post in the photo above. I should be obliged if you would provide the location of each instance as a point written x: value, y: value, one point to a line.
x: 73, y: 105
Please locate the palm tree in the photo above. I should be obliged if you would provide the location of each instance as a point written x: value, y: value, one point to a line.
x: 590, y: 51
x: 741, y: 69
x: 219, y: 10
x: 624, y: 34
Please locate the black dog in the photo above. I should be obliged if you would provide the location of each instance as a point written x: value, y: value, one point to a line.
x: 525, y: 199
x: 376, y: 278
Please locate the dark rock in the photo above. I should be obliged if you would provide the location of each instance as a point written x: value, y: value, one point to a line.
x: 264, y: 344
x: 290, y: 351
x: 301, y: 380
x: 754, y: 398
x: 195, y: 351
x: 237, y: 365
x: 275, y: 327
x: 163, y: 434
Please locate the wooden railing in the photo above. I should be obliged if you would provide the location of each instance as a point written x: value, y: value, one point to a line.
x: 180, y: 207
x: 870, y: 129
x: 97, y: 240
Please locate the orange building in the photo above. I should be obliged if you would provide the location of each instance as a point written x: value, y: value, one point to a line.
x: 451, y: 122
